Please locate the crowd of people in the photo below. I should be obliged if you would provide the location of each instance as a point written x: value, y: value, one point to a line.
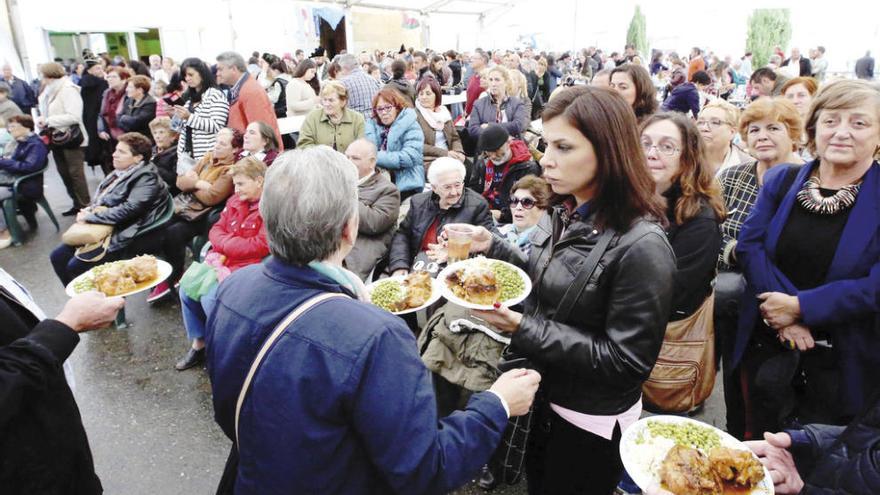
x: 654, y: 194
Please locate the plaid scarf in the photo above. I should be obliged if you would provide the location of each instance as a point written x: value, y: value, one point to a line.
x: 235, y: 90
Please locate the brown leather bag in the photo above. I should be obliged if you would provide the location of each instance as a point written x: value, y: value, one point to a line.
x: 684, y: 375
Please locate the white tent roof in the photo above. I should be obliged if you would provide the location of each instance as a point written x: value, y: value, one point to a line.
x: 456, y: 7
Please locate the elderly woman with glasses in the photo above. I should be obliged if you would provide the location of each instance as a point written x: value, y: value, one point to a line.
x: 447, y: 202
x: 396, y: 132
x: 718, y: 122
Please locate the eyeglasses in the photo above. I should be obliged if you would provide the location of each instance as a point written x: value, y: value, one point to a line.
x: 384, y: 108
x: 526, y: 203
x: 712, y: 123
x: 451, y: 187
x: 667, y: 149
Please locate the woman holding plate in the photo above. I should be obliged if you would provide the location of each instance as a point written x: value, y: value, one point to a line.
x: 603, y: 282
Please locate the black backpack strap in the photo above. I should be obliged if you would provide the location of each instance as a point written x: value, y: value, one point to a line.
x: 566, y: 305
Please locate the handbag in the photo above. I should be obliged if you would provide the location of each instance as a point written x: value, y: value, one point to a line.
x: 188, y: 207
x: 516, y: 436
x: 684, y: 374
x: 83, y: 234
x: 65, y: 139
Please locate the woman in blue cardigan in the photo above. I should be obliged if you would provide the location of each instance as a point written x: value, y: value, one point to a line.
x: 29, y: 156
x: 399, y: 139
x: 808, y: 338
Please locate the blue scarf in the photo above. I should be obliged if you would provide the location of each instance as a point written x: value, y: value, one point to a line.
x: 342, y: 277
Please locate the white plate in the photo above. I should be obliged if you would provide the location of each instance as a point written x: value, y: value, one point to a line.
x: 164, y: 272
x: 451, y: 297
x: 435, y: 293
x: 638, y: 467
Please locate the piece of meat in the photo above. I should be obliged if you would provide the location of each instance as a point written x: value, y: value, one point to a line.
x: 687, y: 471
x: 114, y: 280
x: 418, y: 289
x: 736, y: 466
x: 142, y: 268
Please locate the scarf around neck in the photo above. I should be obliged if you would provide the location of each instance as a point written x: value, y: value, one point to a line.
x: 436, y: 118
x: 342, y: 277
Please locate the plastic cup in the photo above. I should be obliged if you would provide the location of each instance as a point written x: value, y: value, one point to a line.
x: 458, y: 243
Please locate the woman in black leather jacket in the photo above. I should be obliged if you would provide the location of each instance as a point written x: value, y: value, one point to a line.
x: 133, y: 197
x: 595, y: 344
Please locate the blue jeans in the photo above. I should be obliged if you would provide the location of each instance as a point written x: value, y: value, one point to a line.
x: 195, y: 313
x: 67, y: 266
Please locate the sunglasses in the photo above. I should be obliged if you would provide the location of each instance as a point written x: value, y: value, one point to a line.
x: 527, y: 203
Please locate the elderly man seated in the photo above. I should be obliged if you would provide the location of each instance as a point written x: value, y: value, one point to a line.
x: 447, y: 202
x: 378, y: 207
x: 321, y: 392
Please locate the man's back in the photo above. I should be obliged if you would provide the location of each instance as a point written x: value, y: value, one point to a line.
x: 342, y: 403
x: 865, y: 67
x: 361, y: 90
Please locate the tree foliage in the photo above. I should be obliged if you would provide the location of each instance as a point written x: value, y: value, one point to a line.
x: 636, y: 35
x: 767, y: 28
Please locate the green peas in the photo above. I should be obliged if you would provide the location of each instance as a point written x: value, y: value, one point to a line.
x: 387, y: 294
x: 509, y: 280
x: 686, y: 434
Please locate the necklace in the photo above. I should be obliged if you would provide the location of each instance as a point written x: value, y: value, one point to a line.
x: 811, y: 199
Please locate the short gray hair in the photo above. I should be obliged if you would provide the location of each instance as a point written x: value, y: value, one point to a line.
x: 366, y: 142
x: 348, y: 62
x: 232, y: 59
x: 443, y: 165
x: 308, y: 198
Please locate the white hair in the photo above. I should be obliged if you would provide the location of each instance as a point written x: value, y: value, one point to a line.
x: 309, y: 197
x: 443, y: 165
x: 348, y: 62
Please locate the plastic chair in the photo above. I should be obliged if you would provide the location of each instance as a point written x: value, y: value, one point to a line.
x: 120, y: 322
x: 199, y: 241
x: 11, y: 205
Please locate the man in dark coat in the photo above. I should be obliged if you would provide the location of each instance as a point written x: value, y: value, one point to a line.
x: 503, y: 162
x: 43, y: 444
x: 93, y: 86
x: 865, y: 67
x: 20, y: 91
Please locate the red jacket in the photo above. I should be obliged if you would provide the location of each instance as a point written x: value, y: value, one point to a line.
x: 239, y: 234
x: 253, y: 105
x: 473, y: 92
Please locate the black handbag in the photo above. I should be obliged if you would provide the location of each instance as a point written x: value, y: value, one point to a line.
x: 65, y: 139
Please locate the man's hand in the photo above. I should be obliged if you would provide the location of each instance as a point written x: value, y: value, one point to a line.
x: 799, y: 336
x: 90, y: 310
x: 779, y: 310
x: 501, y: 318
x: 518, y: 388
x: 774, y: 455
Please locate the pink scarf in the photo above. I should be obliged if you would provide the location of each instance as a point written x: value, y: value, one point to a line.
x: 436, y: 118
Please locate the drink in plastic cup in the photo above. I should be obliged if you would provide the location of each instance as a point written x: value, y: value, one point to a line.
x: 458, y: 243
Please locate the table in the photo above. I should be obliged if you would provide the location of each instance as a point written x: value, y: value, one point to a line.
x: 453, y: 99
x: 289, y: 125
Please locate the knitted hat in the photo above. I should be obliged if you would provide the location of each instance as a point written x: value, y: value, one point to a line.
x: 493, y: 137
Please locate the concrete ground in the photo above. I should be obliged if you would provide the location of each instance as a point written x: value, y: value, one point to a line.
x: 150, y: 427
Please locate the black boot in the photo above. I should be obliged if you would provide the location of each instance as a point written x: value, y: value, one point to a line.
x: 488, y: 481
x: 193, y: 358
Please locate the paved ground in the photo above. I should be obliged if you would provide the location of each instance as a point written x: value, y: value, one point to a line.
x: 151, y: 428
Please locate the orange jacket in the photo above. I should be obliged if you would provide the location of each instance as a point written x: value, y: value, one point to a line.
x: 253, y: 105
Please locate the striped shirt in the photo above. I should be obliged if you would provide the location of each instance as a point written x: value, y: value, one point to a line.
x: 205, y: 120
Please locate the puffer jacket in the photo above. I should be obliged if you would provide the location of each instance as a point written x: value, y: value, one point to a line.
x: 402, y: 152
x: 840, y: 460
x: 133, y: 203
x: 521, y: 165
x: 378, y: 209
x: 240, y: 234
x: 596, y: 361
x: 471, y: 208
x: 29, y: 156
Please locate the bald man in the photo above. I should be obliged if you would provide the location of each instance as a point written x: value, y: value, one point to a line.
x: 378, y: 210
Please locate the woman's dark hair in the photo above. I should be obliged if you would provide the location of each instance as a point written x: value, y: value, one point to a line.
x: 434, y: 85
x: 333, y: 69
x: 624, y: 187
x: 175, y: 83
x: 694, y: 176
x: 398, y: 69
x: 537, y: 187
x: 139, y: 68
x: 302, y: 68
x: 22, y: 120
x: 701, y: 77
x: 138, y: 144
x: 646, y: 93
x: 268, y: 135
x: 208, y: 81
x: 279, y: 66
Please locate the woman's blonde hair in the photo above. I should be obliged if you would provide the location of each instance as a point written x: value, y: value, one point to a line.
x: 776, y: 109
x: 335, y: 87
x: 731, y: 113
x: 505, y: 74
x: 840, y: 95
x: 250, y: 167
x: 518, y: 85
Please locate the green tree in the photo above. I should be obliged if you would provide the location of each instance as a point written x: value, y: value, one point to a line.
x: 767, y: 28
x: 636, y: 34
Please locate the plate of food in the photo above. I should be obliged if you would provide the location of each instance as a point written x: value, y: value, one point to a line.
x: 685, y: 456
x: 405, y: 293
x: 478, y: 283
x: 122, y: 278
